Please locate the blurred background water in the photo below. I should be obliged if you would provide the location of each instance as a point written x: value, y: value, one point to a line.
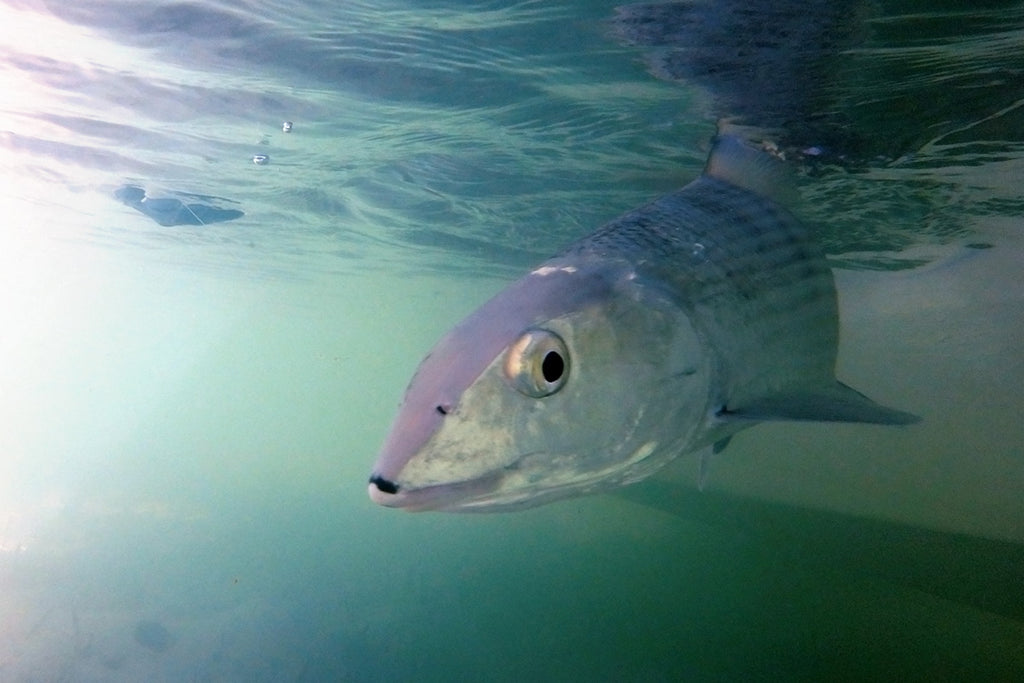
x: 188, y: 413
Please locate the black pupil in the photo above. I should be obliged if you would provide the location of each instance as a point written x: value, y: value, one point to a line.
x: 552, y: 367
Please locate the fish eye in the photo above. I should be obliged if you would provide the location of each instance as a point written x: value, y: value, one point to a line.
x: 537, y: 364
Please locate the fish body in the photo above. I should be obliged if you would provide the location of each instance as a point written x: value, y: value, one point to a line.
x: 662, y: 333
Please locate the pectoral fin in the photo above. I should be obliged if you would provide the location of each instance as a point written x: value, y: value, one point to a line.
x: 704, y: 460
x: 703, y: 466
x: 839, y: 403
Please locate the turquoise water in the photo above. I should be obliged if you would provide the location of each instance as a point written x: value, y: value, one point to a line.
x: 190, y: 413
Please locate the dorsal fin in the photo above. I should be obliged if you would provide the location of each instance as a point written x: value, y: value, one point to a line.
x: 739, y: 164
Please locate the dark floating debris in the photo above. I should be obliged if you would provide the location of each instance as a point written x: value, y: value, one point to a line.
x: 168, y: 211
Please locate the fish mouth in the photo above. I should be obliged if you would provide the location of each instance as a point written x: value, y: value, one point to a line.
x: 449, y: 497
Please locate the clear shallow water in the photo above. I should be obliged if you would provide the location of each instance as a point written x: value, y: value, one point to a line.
x: 191, y: 413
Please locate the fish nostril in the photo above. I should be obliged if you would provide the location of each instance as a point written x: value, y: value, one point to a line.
x: 383, y: 485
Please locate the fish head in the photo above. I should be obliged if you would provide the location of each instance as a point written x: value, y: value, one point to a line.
x: 574, y: 379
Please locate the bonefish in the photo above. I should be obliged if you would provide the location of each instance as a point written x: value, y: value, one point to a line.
x: 663, y: 333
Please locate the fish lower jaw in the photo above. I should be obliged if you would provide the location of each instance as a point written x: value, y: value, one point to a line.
x: 435, y: 497
x: 512, y: 488
x: 487, y: 493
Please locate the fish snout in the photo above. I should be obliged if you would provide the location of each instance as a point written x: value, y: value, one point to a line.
x: 383, y: 491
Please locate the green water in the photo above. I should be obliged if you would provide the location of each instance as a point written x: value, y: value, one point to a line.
x: 199, y: 457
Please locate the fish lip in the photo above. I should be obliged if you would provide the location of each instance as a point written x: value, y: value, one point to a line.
x: 448, y: 497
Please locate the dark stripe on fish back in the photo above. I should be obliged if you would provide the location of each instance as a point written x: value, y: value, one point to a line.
x: 708, y: 231
x: 740, y: 261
